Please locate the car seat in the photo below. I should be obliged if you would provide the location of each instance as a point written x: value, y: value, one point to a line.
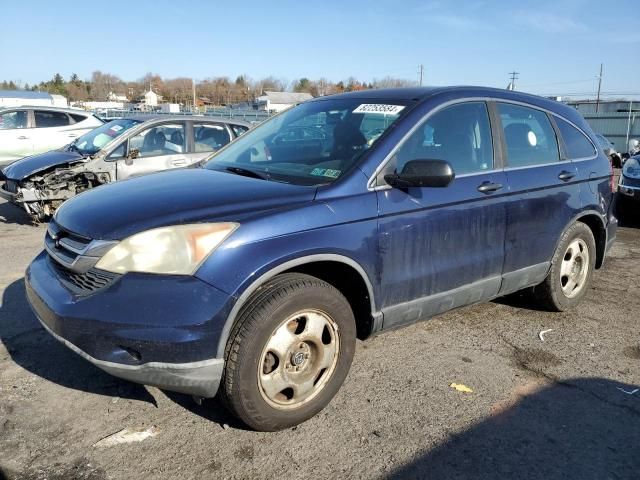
x: 520, y: 149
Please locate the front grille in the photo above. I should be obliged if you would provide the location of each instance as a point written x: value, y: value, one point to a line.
x: 630, y: 182
x: 73, y: 258
x: 84, y: 283
x: 66, y: 245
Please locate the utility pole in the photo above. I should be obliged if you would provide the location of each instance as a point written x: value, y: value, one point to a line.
x: 514, y: 77
x: 420, y: 73
x: 193, y: 84
x: 599, y: 86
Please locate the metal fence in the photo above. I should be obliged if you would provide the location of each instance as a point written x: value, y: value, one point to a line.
x: 252, y: 116
x: 617, y: 127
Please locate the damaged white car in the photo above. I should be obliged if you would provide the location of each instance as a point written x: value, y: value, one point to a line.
x: 117, y: 150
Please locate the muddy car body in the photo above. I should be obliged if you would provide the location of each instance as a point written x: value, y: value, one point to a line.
x: 250, y: 278
x: 118, y: 150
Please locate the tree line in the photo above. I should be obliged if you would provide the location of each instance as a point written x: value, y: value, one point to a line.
x: 216, y: 91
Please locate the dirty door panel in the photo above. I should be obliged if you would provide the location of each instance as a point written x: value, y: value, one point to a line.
x: 544, y: 194
x: 443, y: 247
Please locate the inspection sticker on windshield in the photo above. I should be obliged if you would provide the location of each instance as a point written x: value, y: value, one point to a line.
x: 116, y: 128
x: 379, y: 108
x: 326, y: 172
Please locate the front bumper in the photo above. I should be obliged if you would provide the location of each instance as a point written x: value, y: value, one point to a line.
x: 629, y: 192
x: 151, y: 329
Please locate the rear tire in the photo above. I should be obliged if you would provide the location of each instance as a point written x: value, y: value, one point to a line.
x: 571, y: 271
x: 288, y: 353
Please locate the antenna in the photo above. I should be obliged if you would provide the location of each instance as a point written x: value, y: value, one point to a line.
x: 420, y: 73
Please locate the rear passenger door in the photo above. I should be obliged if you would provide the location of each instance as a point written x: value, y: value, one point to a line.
x: 51, y: 130
x: 544, y: 194
x: 442, y: 248
x: 158, y: 147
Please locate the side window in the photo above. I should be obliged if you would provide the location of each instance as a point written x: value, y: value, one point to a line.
x: 575, y: 142
x: 529, y: 136
x: 77, y: 118
x: 166, y: 139
x: 10, y: 120
x: 209, y: 137
x: 459, y: 134
x: 239, y: 129
x: 46, y: 119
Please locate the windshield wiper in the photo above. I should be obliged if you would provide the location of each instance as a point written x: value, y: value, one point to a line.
x: 247, y: 173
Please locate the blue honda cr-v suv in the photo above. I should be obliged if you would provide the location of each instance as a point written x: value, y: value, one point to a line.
x: 346, y: 215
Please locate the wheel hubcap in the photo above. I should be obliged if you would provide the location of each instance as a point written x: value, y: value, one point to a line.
x: 574, y: 268
x: 299, y: 359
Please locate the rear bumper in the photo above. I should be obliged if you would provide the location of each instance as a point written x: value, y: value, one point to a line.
x: 151, y: 329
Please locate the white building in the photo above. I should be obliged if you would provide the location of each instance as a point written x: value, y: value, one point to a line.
x: 279, y: 101
x: 150, y: 98
x: 114, y: 97
x: 18, y: 98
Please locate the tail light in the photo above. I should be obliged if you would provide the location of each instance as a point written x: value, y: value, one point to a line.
x: 612, y: 178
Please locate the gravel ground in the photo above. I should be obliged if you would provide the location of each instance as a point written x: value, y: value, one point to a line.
x: 552, y: 409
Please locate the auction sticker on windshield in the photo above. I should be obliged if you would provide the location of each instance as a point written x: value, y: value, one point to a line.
x: 379, y: 108
x: 326, y: 172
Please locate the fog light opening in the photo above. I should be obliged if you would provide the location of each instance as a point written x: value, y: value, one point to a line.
x: 137, y: 356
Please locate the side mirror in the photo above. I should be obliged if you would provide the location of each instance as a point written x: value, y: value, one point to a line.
x: 422, y: 173
x: 133, y: 154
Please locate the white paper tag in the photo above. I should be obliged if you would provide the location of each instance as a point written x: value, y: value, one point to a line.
x: 379, y: 108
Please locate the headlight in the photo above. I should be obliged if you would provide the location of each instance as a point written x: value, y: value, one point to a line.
x: 631, y: 168
x: 178, y: 249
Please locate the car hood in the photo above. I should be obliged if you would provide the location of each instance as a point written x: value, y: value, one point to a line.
x: 121, y: 209
x: 21, y: 169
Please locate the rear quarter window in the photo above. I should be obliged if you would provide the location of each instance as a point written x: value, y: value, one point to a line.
x: 576, y: 144
x: 77, y: 118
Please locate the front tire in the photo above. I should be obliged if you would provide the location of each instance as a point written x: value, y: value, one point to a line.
x: 288, y: 353
x: 571, y: 271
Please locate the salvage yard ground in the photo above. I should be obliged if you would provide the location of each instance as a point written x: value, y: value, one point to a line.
x: 563, y: 407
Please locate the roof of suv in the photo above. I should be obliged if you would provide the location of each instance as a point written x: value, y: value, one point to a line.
x: 420, y: 94
x: 48, y: 108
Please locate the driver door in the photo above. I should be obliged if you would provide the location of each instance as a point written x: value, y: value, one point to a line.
x: 443, y: 248
x: 159, y: 147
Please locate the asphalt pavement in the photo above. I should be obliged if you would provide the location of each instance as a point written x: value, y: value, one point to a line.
x: 564, y: 406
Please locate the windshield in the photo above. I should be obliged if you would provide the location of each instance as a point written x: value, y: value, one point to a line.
x: 95, y: 140
x: 312, y: 143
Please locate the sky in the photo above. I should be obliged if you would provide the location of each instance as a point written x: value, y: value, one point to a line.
x: 555, y: 45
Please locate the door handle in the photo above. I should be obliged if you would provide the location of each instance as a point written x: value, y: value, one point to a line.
x: 178, y: 163
x: 489, y: 187
x: 72, y: 135
x: 22, y: 137
x: 565, y: 175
